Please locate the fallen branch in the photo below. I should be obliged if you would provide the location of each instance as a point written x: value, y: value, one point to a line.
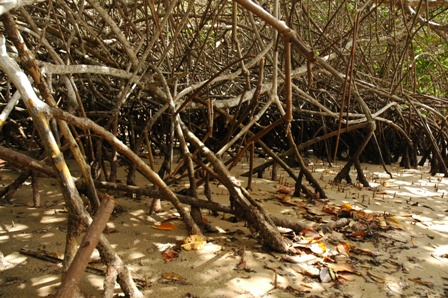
x: 74, y: 273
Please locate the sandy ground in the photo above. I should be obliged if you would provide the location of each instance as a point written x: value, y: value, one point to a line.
x: 407, y: 257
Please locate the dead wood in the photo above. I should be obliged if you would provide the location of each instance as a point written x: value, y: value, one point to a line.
x: 244, y: 207
x: 8, y: 192
x: 37, y: 109
x: 74, y: 273
x: 20, y: 160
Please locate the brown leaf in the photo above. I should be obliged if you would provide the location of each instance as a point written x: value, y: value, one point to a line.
x: 286, y: 190
x: 345, y: 278
x: 170, y: 253
x: 359, y: 234
x: 343, y: 267
x: 284, y: 197
x: 343, y: 248
x: 365, y: 251
x: 310, y: 233
x: 172, y: 276
x: 360, y: 214
x: 329, y: 211
x: 420, y: 281
x: 166, y: 226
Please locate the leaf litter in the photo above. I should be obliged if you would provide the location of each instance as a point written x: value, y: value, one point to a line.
x: 318, y: 259
x: 349, y: 240
x: 340, y: 240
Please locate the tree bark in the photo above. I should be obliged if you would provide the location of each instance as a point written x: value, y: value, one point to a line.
x: 74, y: 273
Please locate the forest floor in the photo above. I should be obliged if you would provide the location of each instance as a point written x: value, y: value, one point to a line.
x: 396, y: 244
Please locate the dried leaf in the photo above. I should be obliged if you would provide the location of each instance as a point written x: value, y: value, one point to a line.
x: 393, y: 219
x: 305, y: 269
x: 343, y: 248
x: 306, y: 286
x: 394, y: 222
x: 365, y: 251
x: 376, y: 277
x: 420, y: 281
x: 301, y: 211
x: 310, y: 233
x: 318, y: 247
x: 359, y: 234
x: 170, y: 253
x: 324, y: 275
x: 382, y: 223
x: 328, y: 259
x: 346, y: 207
x: 329, y: 211
x: 360, y: 214
x: 343, y: 267
x: 194, y: 242
x: 345, y: 278
x: 284, y: 197
x: 172, y: 276
x: 286, y: 190
x: 332, y: 274
x: 166, y: 226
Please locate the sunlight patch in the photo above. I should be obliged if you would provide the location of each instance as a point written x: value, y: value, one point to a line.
x: 51, y: 219
x: 137, y: 213
x: 257, y: 286
x: 47, y: 280
x: 136, y: 255
x: 15, y: 227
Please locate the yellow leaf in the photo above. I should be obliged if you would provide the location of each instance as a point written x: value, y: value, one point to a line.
x: 393, y: 219
x: 346, y: 207
x: 318, y: 247
x: 194, y: 242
